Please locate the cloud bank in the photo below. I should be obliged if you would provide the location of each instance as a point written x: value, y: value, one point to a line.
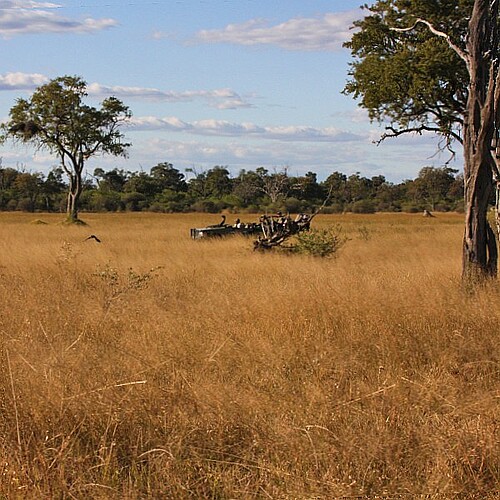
x: 218, y: 98
x: 20, y: 17
x: 326, y: 33
x: 225, y: 98
x: 223, y: 128
x: 22, y: 81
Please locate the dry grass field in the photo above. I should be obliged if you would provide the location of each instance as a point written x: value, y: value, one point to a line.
x: 154, y: 366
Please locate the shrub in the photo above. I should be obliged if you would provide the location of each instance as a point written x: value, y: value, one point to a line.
x: 12, y: 204
x: 109, y: 202
x: 363, y: 207
x: 458, y: 206
x: 232, y: 201
x: 320, y: 242
x: 26, y: 205
x: 442, y: 207
x: 411, y: 208
x: 334, y: 208
x: 251, y: 209
x: 293, y: 205
x: 134, y: 201
x: 205, y: 206
x: 272, y: 208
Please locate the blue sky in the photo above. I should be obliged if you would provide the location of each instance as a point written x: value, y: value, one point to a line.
x: 238, y: 83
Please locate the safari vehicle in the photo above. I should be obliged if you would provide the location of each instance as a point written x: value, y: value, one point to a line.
x: 273, y: 230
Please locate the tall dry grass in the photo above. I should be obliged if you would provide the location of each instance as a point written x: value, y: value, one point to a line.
x: 153, y: 366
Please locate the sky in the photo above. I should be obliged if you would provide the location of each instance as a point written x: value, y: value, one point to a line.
x: 237, y: 83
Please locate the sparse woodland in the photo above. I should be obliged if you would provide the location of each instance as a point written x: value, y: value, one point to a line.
x: 153, y: 366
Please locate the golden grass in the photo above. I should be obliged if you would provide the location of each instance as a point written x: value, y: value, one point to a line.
x: 154, y: 366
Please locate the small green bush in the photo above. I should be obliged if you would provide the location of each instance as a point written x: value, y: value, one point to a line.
x: 320, y: 242
x: 334, y: 208
x: 293, y: 205
x: 411, y: 208
x: 363, y: 207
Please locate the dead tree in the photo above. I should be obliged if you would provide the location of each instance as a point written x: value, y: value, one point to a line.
x: 276, y: 229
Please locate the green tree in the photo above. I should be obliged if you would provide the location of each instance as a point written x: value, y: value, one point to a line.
x: 335, y: 184
x: 7, y: 182
x: 168, y: 177
x: 358, y: 188
x: 433, y: 184
x: 197, y: 185
x: 307, y: 188
x: 56, y: 119
x: 248, y: 187
x: 434, y: 66
x: 140, y: 191
x: 53, y: 189
x: 112, y: 180
x: 218, y: 182
x: 388, y: 196
x: 29, y: 187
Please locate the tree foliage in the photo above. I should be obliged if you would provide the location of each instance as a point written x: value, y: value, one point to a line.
x: 411, y: 79
x: 56, y: 119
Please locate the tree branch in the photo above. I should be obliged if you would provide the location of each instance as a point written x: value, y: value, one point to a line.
x: 461, y: 53
x: 323, y: 205
x: 393, y: 132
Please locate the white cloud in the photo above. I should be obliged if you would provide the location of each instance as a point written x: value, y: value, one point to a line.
x: 233, y: 154
x: 320, y: 157
x: 22, y: 81
x: 223, y: 128
x: 357, y: 115
x: 18, y: 17
x: 390, y: 159
x: 218, y: 98
x: 27, y: 4
x: 326, y: 33
x: 162, y: 35
x: 153, y: 123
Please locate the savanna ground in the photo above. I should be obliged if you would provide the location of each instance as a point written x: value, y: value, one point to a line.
x: 154, y: 366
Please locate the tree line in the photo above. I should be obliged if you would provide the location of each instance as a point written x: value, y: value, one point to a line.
x: 166, y: 189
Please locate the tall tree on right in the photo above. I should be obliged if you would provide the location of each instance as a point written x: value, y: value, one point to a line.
x: 433, y: 66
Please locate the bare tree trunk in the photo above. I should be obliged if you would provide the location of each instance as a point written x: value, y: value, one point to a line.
x: 72, y: 206
x: 479, y: 244
x: 497, y: 209
x: 74, y: 192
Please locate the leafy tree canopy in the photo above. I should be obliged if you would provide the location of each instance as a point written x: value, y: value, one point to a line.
x: 56, y: 118
x: 412, y: 79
